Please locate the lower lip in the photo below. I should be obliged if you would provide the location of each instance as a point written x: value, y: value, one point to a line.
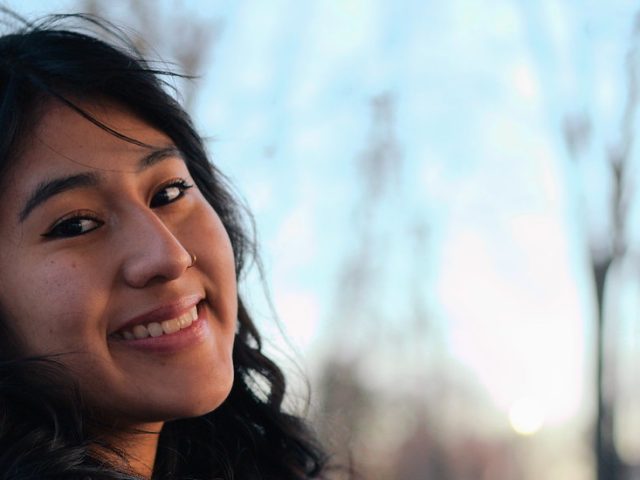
x: 173, y: 342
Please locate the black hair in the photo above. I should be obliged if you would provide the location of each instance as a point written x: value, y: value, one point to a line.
x: 44, y: 431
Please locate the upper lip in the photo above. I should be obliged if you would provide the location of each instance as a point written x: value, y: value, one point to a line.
x: 159, y: 314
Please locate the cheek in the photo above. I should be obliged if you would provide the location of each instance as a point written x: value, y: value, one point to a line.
x: 59, y: 279
x: 46, y: 308
x: 208, y: 237
x: 216, y: 261
x: 223, y: 261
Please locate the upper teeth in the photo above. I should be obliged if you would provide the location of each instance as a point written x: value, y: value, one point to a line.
x: 155, y: 329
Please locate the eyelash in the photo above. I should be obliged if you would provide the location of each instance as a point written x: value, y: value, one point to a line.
x: 63, y: 228
x: 76, y: 219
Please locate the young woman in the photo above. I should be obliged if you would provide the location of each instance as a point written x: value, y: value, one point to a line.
x: 125, y: 349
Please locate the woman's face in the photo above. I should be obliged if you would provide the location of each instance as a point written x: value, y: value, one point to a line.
x: 95, y: 264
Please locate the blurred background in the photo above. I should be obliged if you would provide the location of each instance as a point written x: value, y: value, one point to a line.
x: 445, y: 198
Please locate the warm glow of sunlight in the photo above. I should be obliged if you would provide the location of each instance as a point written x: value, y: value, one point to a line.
x: 526, y: 416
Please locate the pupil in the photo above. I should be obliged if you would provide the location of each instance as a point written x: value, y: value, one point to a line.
x: 72, y: 228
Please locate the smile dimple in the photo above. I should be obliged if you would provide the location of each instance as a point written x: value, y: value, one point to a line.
x: 157, y: 329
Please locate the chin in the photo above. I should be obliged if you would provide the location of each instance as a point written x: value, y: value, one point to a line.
x: 201, y: 400
x: 177, y: 402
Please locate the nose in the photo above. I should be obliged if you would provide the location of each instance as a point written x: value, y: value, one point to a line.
x: 152, y: 252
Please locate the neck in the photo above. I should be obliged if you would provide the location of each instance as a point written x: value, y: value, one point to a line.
x: 139, y: 444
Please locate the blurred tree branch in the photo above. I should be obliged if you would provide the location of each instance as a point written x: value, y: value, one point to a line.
x: 179, y: 36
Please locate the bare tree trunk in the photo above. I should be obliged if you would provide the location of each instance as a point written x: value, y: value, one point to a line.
x: 577, y: 130
x: 607, y: 462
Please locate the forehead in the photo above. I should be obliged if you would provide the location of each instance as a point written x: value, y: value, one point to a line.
x: 62, y: 140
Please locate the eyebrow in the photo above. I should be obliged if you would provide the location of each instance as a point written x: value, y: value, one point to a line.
x: 50, y: 188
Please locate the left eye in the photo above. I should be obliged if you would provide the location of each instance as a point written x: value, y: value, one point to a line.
x: 170, y: 193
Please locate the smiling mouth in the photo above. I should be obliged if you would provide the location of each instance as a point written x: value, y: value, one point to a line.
x: 158, y: 329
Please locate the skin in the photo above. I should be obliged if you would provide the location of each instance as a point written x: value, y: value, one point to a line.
x: 66, y: 294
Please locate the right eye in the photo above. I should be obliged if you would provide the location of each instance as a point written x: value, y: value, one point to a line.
x: 73, y: 226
